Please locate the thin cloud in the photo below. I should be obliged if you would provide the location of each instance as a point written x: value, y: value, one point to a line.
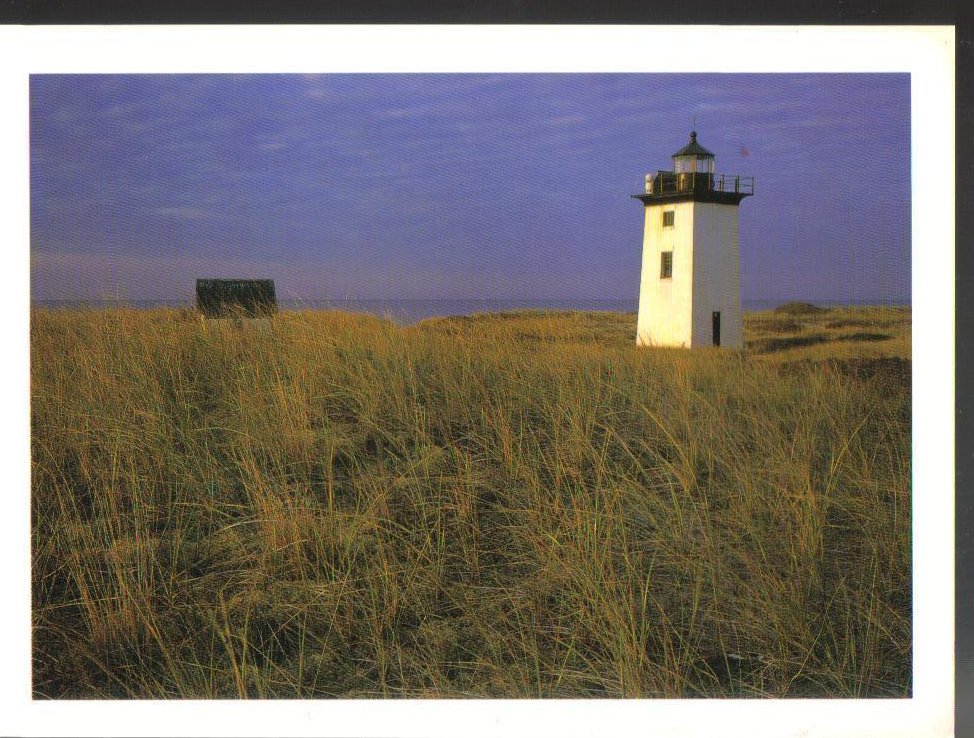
x: 183, y: 212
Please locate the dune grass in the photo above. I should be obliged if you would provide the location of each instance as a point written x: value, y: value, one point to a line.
x: 526, y: 505
x: 798, y: 331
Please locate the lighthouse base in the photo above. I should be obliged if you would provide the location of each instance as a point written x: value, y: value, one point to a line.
x: 689, y: 292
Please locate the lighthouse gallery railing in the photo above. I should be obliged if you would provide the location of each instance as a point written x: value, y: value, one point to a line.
x: 663, y: 183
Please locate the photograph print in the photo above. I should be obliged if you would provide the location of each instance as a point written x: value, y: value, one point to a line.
x: 581, y: 385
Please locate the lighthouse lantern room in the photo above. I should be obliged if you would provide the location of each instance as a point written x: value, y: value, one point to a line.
x: 689, y: 290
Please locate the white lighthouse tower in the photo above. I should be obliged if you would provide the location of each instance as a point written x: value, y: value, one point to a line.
x: 690, y: 286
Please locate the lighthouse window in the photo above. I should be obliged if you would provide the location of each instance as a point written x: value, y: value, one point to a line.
x: 666, y: 265
x: 668, y: 217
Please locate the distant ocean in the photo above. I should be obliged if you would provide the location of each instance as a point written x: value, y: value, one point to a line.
x: 412, y: 311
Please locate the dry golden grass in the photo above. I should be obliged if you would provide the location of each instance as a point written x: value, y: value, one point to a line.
x: 325, y: 504
x: 872, y: 332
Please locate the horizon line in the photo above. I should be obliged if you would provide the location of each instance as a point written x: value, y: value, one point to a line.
x: 897, y: 299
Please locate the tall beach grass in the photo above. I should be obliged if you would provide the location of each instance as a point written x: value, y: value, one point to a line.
x: 329, y: 505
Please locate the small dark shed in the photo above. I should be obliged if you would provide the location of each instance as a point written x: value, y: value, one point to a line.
x: 222, y: 298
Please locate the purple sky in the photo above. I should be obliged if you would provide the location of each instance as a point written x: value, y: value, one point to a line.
x: 455, y: 185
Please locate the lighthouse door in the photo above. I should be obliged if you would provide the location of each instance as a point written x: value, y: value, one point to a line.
x: 717, y: 328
